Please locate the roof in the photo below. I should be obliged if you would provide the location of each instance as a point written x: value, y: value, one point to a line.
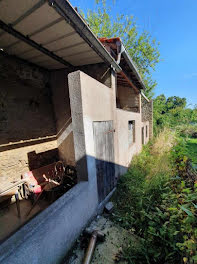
x: 50, y: 34
x: 117, y: 49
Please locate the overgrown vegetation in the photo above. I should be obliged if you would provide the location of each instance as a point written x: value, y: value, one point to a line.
x: 173, y: 112
x: 157, y: 200
x: 192, y: 150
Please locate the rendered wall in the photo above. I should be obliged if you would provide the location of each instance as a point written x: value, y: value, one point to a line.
x: 27, y: 125
x: 90, y: 101
x: 61, y: 101
x: 126, y: 151
x: 98, y: 104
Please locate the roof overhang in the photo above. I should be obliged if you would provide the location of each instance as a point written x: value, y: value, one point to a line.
x: 116, y: 48
x: 50, y: 34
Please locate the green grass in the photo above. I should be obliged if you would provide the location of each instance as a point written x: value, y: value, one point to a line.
x: 191, y: 146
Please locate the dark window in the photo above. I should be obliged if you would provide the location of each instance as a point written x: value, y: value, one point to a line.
x: 146, y: 131
x: 131, y: 134
x: 142, y: 135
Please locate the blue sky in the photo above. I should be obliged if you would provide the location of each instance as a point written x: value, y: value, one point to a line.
x: 174, y: 24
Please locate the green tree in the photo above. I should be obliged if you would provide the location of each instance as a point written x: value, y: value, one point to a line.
x: 142, y: 48
x: 160, y: 116
x: 172, y: 112
x: 175, y: 101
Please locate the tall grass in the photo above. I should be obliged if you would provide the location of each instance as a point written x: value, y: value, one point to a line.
x: 148, y: 201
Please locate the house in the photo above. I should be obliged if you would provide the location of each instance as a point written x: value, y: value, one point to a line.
x: 64, y: 95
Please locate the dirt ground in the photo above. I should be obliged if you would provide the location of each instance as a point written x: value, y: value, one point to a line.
x: 9, y: 220
x: 107, y: 252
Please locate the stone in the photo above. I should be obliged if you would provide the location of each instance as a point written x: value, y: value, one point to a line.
x: 109, y: 207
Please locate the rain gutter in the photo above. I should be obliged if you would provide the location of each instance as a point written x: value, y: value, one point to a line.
x: 132, y: 66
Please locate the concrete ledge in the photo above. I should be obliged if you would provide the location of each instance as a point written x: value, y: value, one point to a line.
x: 48, y: 236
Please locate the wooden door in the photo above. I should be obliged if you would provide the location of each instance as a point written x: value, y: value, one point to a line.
x: 104, y: 154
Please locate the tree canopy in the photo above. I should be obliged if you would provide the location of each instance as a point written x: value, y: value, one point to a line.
x: 141, y: 46
x: 172, y: 111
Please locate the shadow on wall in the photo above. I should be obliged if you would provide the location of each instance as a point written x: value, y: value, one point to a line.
x: 105, y: 173
x: 26, y: 110
x: 42, y: 159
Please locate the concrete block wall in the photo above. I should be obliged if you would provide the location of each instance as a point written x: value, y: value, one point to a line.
x: 14, y: 162
x: 27, y: 122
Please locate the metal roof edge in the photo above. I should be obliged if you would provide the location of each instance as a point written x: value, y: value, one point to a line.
x: 65, y: 9
x: 132, y: 65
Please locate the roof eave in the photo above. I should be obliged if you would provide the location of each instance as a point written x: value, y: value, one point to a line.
x: 132, y: 66
x: 71, y: 16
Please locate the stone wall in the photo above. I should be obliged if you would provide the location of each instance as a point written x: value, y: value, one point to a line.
x: 27, y: 124
x: 147, y: 113
x: 127, y: 99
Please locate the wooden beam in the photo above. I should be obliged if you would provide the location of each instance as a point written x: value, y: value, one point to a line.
x: 129, y: 81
